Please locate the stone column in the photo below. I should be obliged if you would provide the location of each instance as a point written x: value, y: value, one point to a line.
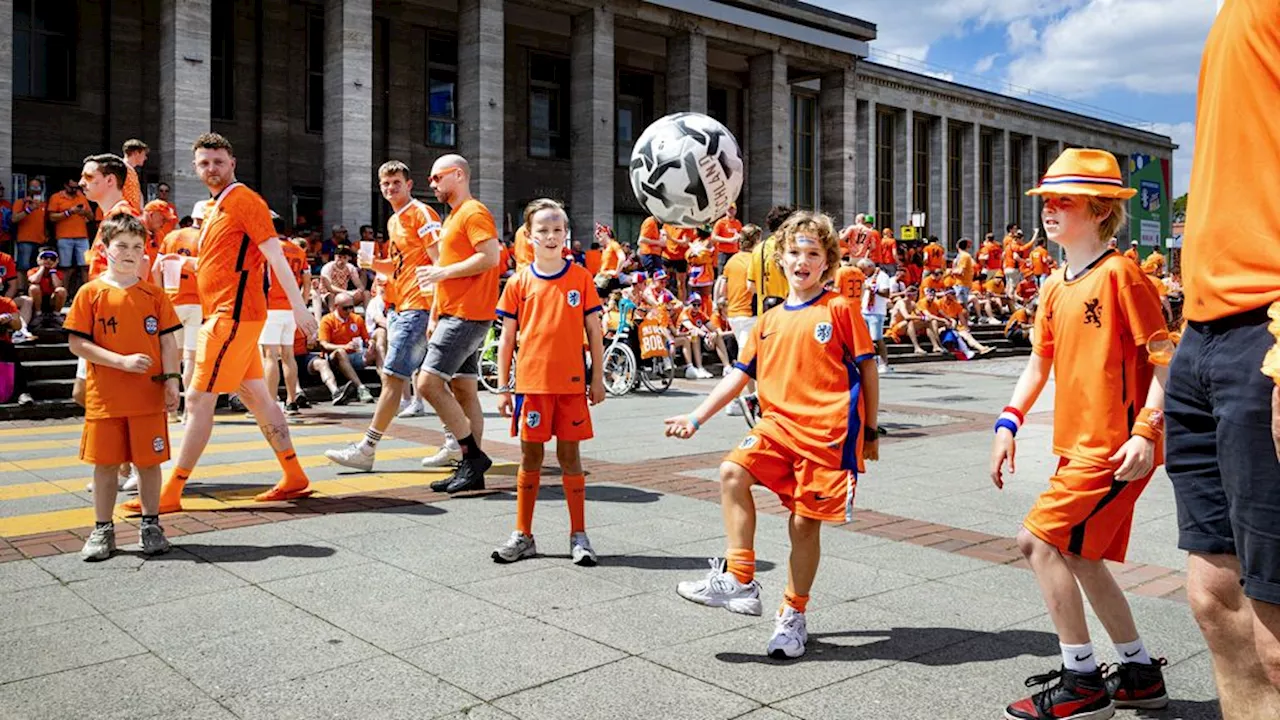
x: 938, y: 180
x: 1030, y: 178
x: 904, y: 171
x: 278, y: 92
x: 861, y: 159
x: 6, y: 95
x: 1000, y: 183
x: 769, y: 160
x: 686, y: 73
x: 481, y: 53
x: 837, y: 107
x: 873, y: 125
x: 185, y: 96
x: 348, y: 112
x: 591, y: 121
x: 976, y: 188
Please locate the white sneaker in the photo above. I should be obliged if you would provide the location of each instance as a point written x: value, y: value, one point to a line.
x: 691, y: 373
x: 130, y: 484
x: 735, y: 409
x: 704, y: 374
x: 517, y: 547
x: 351, y: 456
x: 724, y: 372
x: 415, y: 408
x: 721, y: 589
x: 449, y: 454
x: 789, y: 635
x: 580, y: 550
x: 22, y: 336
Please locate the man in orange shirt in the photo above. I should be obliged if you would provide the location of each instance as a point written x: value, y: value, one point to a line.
x: 739, y: 298
x: 651, y: 246
x: 727, y: 235
x: 860, y: 239
x: 237, y: 244
x: 276, y: 340
x: 465, y: 273
x: 29, y: 214
x: 183, y: 246
x: 1041, y: 262
x: 887, y: 252
x: 964, y: 268
x: 935, y: 256
x: 171, y: 212
x: 990, y: 256
x: 135, y: 156
x: 1225, y: 377
x: 345, y: 340
x: 70, y: 214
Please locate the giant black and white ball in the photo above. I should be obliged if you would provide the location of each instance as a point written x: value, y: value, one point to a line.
x: 685, y: 169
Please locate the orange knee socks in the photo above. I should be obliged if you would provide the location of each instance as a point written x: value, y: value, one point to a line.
x: 575, y: 495
x: 527, y: 482
x: 294, y: 476
x: 796, y: 602
x: 742, y: 564
x: 171, y: 490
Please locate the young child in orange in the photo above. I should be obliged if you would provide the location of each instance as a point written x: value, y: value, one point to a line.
x: 819, y: 389
x: 545, y: 309
x: 123, y: 328
x: 1102, y: 333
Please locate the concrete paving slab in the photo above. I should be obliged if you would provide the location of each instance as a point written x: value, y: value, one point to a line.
x: 202, y: 710
x: 640, y: 623
x: 41, y: 606
x: 24, y: 575
x: 171, y: 576
x: 660, y: 532
x: 434, y: 553
x: 46, y: 649
x: 919, y: 561
x: 546, y: 590
x: 327, y: 527
x: 954, y: 606
x: 1192, y: 692
x: 479, y: 712
x: 510, y: 657
x: 133, y: 687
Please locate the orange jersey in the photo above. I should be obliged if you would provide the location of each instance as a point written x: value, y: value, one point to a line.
x: 1026, y: 289
x: 184, y: 242
x: 989, y: 255
x: 299, y: 343
x: 1017, y: 319
x: 7, y: 307
x: 1154, y: 264
x: 849, y: 281
x: 335, y: 331
x: 125, y: 321
x: 1095, y: 329
x: 97, y: 255
x: 966, y: 266
x: 888, y: 252
x: 649, y: 231
x: 593, y: 260
x: 468, y: 298
x: 8, y: 268
x: 726, y: 234
x: 863, y: 242
x: 277, y: 299
x: 804, y: 359
x: 31, y: 227
x: 929, y: 307
x: 1132, y: 254
x: 950, y: 307
x: 1040, y: 261
x: 523, y: 248
x: 231, y: 270
x: 551, y: 313
x: 702, y: 267
x: 935, y: 257
x: 675, y: 249
x: 737, y: 296
x: 132, y: 189
x: 1231, y: 269
x: 614, y: 256
x: 73, y: 226
x: 929, y: 282
x: 995, y: 286
x: 410, y: 232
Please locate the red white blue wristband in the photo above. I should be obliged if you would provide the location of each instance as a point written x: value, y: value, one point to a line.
x: 1011, y: 419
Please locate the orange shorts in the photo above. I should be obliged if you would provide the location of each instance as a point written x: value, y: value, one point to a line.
x: 141, y: 439
x: 227, y: 354
x: 806, y: 488
x: 539, y: 417
x: 1085, y: 512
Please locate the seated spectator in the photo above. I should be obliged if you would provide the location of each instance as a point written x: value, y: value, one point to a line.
x: 46, y: 289
x: 341, y: 275
x: 12, y: 382
x: 375, y: 315
x: 345, y: 340
x: 995, y: 291
x: 933, y: 281
x: 903, y: 319
x: 1021, y: 323
x: 694, y: 324
x: 311, y: 361
x: 1027, y: 288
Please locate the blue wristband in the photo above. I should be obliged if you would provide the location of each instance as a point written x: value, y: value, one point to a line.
x: 1007, y: 424
x: 696, y: 425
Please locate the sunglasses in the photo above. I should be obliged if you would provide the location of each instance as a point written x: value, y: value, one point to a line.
x: 346, y: 307
x: 440, y: 176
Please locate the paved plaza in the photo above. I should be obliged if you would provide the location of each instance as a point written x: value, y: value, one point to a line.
x: 377, y: 598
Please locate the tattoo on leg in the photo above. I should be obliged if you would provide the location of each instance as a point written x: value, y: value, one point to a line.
x: 276, y: 435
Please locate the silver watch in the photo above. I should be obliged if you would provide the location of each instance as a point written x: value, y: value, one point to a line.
x: 505, y: 389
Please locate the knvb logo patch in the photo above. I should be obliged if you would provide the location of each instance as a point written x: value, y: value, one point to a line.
x: 1093, y: 312
x: 822, y: 332
x: 152, y: 326
x: 575, y: 298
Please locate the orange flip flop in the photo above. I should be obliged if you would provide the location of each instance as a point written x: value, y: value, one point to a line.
x: 279, y: 494
x: 135, y: 506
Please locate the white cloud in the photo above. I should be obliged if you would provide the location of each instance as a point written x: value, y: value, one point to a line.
x: 983, y: 65
x: 1184, y: 134
x: 1021, y: 34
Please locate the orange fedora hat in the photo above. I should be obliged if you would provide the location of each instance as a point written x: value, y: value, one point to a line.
x: 1083, y: 171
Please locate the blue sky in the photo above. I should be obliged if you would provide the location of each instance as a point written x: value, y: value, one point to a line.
x: 1130, y: 61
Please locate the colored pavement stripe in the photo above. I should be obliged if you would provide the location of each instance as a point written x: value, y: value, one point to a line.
x: 36, y: 430
x: 73, y: 443
x: 340, y: 439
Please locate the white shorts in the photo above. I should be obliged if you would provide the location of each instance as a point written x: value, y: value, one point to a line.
x: 278, y: 329
x: 741, y: 328
x: 82, y: 369
x: 1012, y: 276
x: 192, y: 317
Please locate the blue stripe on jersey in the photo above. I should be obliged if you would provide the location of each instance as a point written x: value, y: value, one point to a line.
x: 506, y: 314
x: 750, y: 370
x: 849, y: 453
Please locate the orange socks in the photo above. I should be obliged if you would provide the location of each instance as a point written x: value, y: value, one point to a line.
x: 742, y: 564
x: 575, y: 495
x: 171, y: 491
x: 796, y: 602
x: 526, y: 495
x: 295, y: 478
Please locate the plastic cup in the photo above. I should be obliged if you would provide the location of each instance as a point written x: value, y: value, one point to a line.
x: 425, y: 286
x: 172, y: 269
x: 365, y: 253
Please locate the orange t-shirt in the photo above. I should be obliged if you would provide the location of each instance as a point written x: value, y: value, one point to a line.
x: 31, y: 227
x: 8, y: 269
x: 1095, y: 329
x: 675, y: 249
x: 1231, y: 267
x: 929, y: 307
x: 804, y: 359
x: 929, y: 282
x: 966, y: 266
x: 475, y: 297
x: 1017, y: 319
x: 72, y: 226
x: 950, y: 307
x: 7, y: 307
x: 336, y: 331
x: 935, y: 257
x: 297, y: 259
x: 551, y: 313
x: 649, y: 231
x: 888, y: 251
x: 299, y: 343
x: 849, y: 282
x: 702, y: 267
x: 410, y: 232
x: 1153, y: 264
x: 1026, y: 289
x: 125, y: 321
x: 989, y: 255
x: 614, y: 256
x: 523, y: 248
x: 132, y: 189
x: 1040, y: 260
x: 995, y: 286
x: 863, y: 242
x: 184, y: 242
x: 230, y: 272
x: 593, y: 260
x: 725, y: 230
x: 97, y: 255
x: 47, y: 278
x: 737, y: 296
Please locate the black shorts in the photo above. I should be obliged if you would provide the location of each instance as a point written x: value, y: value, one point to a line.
x: 680, y: 266
x: 1220, y: 455
x: 651, y: 263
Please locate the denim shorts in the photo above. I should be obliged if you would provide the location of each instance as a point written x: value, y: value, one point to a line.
x: 27, y: 252
x: 71, y: 252
x: 406, y: 342
x: 454, y: 348
x: 875, y: 326
x: 1220, y: 455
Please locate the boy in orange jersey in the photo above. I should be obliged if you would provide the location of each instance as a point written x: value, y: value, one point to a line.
x: 964, y: 269
x: 702, y: 273
x: 545, y: 311
x: 1101, y: 332
x: 819, y: 390
x: 675, y: 255
x: 123, y: 328
x: 650, y: 245
x: 727, y: 236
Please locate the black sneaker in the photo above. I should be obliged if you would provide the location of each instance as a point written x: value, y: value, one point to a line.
x: 303, y: 402
x: 345, y: 394
x: 292, y: 409
x: 236, y: 404
x: 443, y: 484
x: 470, y: 474
x: 1138, y: 685
x: 1075, y: 696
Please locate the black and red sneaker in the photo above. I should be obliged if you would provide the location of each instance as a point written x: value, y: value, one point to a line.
x: 1138, y: 685
x: 1075, y: 696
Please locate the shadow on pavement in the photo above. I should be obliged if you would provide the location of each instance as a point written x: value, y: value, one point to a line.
x: 915, y: 645
x: 595, y: 493
x: 200, y: 552
x: 1185, y: 710
x: 667, y: 562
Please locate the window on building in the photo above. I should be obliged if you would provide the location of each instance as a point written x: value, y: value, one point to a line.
x: 548, y: 106
x: 222, y: 61
x: 920, y: 149
x: 986, y: 181
x: 804, y: 126
x: 44, y: 49
x: 442, y: 90
x: 885, y: 122
x: 1015, y: 180
x: 635, y: 110
x: 718, y: 103
x: 955, y: 185
x: 315, y: 71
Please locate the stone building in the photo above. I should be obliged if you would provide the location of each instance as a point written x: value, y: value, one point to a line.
x: 544, y: 98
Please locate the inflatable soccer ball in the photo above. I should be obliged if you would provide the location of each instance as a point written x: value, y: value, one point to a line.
x: 685, y: 169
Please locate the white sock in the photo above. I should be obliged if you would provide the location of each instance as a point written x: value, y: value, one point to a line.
x: 1133, y: 652
x: 1079, y: 658
x: 369, y: 443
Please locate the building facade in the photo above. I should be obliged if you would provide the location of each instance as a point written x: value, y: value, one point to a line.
x: 543, y: 98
